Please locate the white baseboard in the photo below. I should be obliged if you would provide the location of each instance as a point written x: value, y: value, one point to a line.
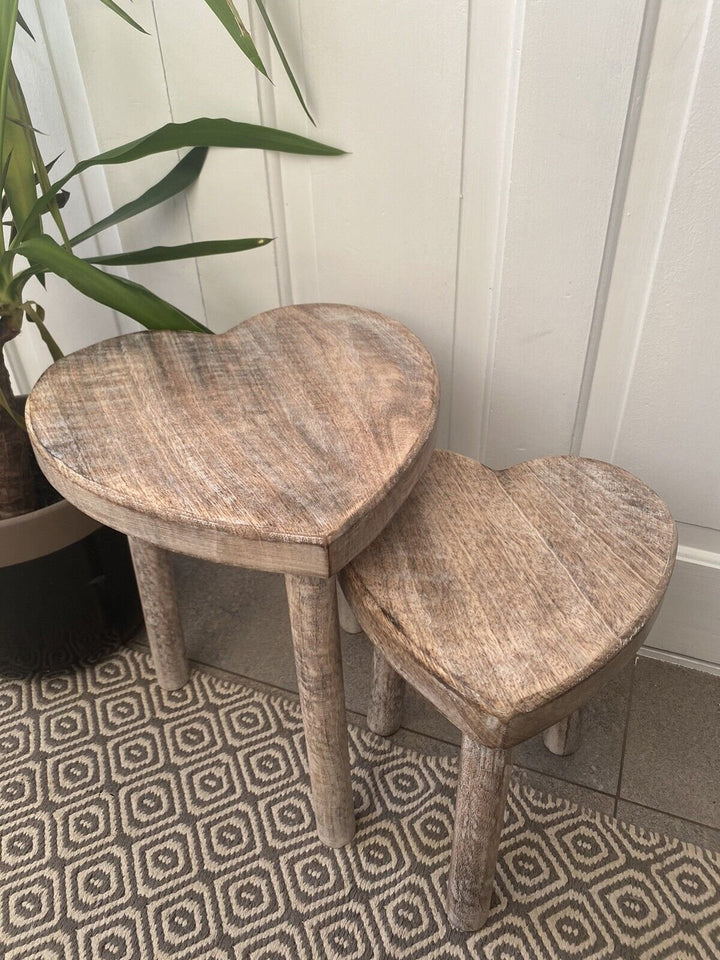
x: 679, y: 660
x: 687, y: 630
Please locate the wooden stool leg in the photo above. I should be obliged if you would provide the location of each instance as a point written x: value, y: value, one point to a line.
x: 153, y: 569
x: 316, y: 639
x: 563, y: 738
x: 479, y: 808
x: 348, y: 621
x: 386, y: 697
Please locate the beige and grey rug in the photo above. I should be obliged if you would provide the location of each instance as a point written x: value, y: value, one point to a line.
x: 142, y: 825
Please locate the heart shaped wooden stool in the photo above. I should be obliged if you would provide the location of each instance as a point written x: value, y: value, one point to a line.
x: 285, y: 444
x: 507, y: 599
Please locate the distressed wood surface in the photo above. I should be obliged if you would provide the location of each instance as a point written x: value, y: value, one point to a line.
x: 285, y: 444
x: 479, y: 809
x: 348, y: 620
x: 387, y: 694
x: 507, y: 598
x: 563, y: 737
x: 318, y: 664
x: 153, y: 567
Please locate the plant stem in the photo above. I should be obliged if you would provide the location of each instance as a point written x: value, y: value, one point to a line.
x: 36, y: 315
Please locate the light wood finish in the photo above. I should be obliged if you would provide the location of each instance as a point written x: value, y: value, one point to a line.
x: 507, y: 599
x: 479, y: 809
x: 285, y: 444
x: 563, y: 737
x: 387, y: 693
x: 316, y: 639
x: 153, y: 569
x: 348, y: 620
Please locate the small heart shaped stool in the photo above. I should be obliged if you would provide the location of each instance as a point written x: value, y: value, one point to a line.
x: 285, y: 444
x: 507, y: 599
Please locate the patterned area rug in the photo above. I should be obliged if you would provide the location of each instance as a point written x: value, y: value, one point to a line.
x: 142, y: 825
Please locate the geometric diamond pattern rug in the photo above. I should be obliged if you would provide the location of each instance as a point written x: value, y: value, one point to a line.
x: 137, y: 824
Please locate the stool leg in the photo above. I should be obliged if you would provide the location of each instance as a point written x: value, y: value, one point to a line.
x: 563, y: 738
x: 153, y: 570
x: 316, y: 640
x: 348, y: 620
x: 386, y: 697
x: 479, y: 808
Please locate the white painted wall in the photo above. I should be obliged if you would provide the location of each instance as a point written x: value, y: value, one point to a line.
x: 533, y: 186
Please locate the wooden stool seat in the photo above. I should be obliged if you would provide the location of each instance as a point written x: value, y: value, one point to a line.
x: 285, y: 444
x: 507, y: 598
x: 268, y: 446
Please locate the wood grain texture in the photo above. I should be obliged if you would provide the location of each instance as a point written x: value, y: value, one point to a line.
x: 285, y: 444
x: 479, y: 809
x: 387, y: 694
x: 153, y: 569
x: 508, y: 598
x: 316, y: 640
x: 563, y: 737
x: 348, y: 620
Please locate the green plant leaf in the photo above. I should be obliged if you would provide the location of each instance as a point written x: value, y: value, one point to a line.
x: 123, y: 295
x: 228, y: 16
x: 179, y: 178
x: 23, y: 24
x: 8, y: 19
x: 283, y: 58
x: 183, y: 251
x: 124, y: 16
x: 203, y: 132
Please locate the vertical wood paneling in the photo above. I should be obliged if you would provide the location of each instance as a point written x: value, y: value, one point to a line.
x: 655, y: 385
x: 484, y: 138
x: 231, y: 197
x: 575, y: 77
x: 40, y: 64
x: 494, y: 56
x: 386, y: 215
x: 125, y: 84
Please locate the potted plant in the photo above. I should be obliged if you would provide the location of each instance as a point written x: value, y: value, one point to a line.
x: 66, y: 584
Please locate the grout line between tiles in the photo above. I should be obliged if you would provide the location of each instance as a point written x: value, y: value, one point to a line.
x: 359, y: 720
x: 673, y: 816
x: 625, y: 737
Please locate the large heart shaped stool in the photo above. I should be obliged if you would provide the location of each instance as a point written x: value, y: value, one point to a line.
x: 285, y: 444
x: 507, y: 599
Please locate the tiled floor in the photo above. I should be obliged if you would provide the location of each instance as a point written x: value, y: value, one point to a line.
x: 651, y: 743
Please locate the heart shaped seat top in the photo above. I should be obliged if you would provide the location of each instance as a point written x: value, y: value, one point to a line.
x: 505, y: 597
x: 285, y: 444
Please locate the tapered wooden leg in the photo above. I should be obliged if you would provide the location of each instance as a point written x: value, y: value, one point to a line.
x: 563, y: 738
x: 348, y: 621
x: 153, y: 569
x: 316, y: 639
x: 384, y: 714
x: 479, y: 809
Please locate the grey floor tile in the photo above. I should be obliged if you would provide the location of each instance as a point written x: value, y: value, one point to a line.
x: 672, y: 756
x: 657, y: 822
x: 582, y: 796
x: 237, y: 620
x: 596, y: 763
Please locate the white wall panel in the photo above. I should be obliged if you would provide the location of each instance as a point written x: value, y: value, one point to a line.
x: 125, y: 83
x: 575, y: 77
x: 388, y: 80
x: 673, y: 397
x: 490, y: 176
x: 231, y: 197
x: 40, y: 66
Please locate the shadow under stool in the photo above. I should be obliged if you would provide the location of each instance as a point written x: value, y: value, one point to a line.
x: 507, y: 599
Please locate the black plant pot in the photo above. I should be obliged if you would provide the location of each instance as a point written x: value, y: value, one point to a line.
x: 67, y: 591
